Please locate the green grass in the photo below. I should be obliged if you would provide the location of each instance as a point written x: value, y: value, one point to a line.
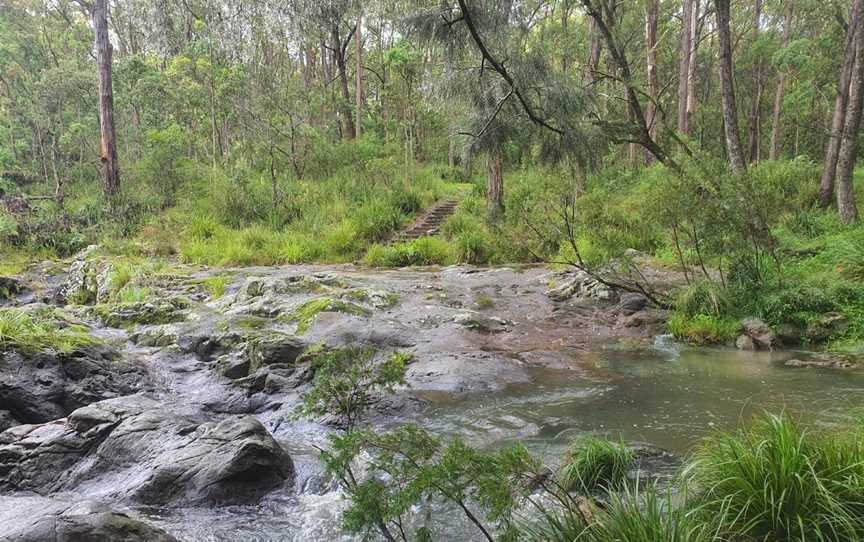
x: 215, y: 286
x: 423, y: 251
x: 776, y: 481
x: 703, y: 329
x: 27, y: 332
x: 594, y: 463
x: 304, y: 315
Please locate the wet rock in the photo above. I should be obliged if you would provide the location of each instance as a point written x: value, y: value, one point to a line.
x: 7, y: 420
x: 160, y: 336
x: 36, y: 388
x: 38, y: 519
x: 81, y: 286
x: 464, y: 372
x: 631, y: 303
x: 790, y: 334
x: 145, y: 312
x: 761, y: 336
x: 646, y: 318
x: 482, y: 323
x: 745, y: 342
x: 10, y: 287
x: 828, y: 361
x: 274, y: 348
x: 135, y: 449
x: 581, y: 285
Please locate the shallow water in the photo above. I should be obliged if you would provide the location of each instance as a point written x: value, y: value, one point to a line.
x: 668, y: 396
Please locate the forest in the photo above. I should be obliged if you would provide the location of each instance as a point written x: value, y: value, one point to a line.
x: 414, y: 270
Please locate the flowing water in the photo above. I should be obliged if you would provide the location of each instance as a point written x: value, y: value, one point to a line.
x: 667, y: 396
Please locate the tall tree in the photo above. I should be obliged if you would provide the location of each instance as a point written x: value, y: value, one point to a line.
x: 755, y: 118
x: 774, y: 150
x: 832, y: 150
x: 358, y: 87
x: 727, y: 88
x: 684, y: 60
x: 104, y: 51
x: 652, y: 13
x: 691, y: 71
x: 849, y: 141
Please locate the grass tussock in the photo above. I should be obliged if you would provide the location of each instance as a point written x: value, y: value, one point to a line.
x: 593, y: 463
x: 27, y: 332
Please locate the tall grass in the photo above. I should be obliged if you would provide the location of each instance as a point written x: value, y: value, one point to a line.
x: 776, y: 481
x: 27, y: 332
x: 593, y: 463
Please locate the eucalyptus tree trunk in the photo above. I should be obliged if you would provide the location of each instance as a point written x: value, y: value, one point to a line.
x: 727, y: 89
x: 110, y: 169
x: 652, y: 12
x: 691, y: 69
x: 358, y: 90
x: 755, y: 120
x: 832, y: 150
x: 684, y: 60
x: 849, y: 141
x: 339, y: 56
x: 774, y: 151
x: 495, y: 187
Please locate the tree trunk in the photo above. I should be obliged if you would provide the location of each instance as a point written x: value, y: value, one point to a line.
x: 691, y: 70
x: 826, y: 186
x: 339, y: 56
x: 849, y: 141
x: 110, y: 169
x: 685, y: 57
x: 652, y: 12
x: 727, y: 89
x: 358, y: 90
x: 774, y: 151
x: 495, y: 187
x: 755, y: 119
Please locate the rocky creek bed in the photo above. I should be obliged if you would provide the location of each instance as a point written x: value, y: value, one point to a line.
x: 179, y: 423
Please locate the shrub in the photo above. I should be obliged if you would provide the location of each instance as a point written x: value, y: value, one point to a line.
x: 778, y: 482
x: 703, y: 329
x: 472, y: 247
x: 376, y: 220
x: 423, y: 251
x: 593, y: 463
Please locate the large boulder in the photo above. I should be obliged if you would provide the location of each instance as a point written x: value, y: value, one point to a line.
x: 81, y: 286
x: 38, y: 519
x: 135, y: 449
x: 755, y: 335
x: 44, y: 386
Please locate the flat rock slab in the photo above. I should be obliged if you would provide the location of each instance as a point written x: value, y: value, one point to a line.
x: 38, y: 519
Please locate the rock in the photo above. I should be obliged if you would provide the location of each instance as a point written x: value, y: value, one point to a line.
x: 135, y: 449
x: 631, y: 303
x: 274, y: 348
x: 482, y: 323
x: 745, y: 342
x: 829, y: 361
x: 81, y: 286
x: 38, y: 519
x: 37, y: 388
x: 160, y: 336
x: 825, y: 327
x: 759, y: 333
x: 103, y: 283
x: 790, y: 334
x: 646, y: 318
x: 7, y: 420
x: 145, y: 312
x: 10, y: 287
x: 580, y: 284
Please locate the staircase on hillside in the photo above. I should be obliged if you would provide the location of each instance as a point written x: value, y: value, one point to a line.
x: 427, y: 224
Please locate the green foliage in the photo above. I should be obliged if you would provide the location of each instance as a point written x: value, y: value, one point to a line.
x: 347, y: 380
x: 422, y: 251
x: 421, y: 470
x: 703, y: 329
x: 776, y: 481
x: 215, y: 286
x: 32, y: 332
x: 593, y: 463
x: 304, y: 315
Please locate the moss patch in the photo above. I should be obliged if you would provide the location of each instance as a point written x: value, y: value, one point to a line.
x: 305, y: 314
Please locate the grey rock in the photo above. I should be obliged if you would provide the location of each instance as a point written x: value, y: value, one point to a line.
x: 133, y: 449
x: 645, y: 318
x: 38, y: 519
x: 37, y: 388
x: 632, y: 302
x: 760, y: 334
x: 482, y: 323
x: 7, y: 420
x: 745, y: 342
x: 10, y: 287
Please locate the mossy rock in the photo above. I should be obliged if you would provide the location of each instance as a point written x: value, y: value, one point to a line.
x: 304, y: 315
x: 142, y: 313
